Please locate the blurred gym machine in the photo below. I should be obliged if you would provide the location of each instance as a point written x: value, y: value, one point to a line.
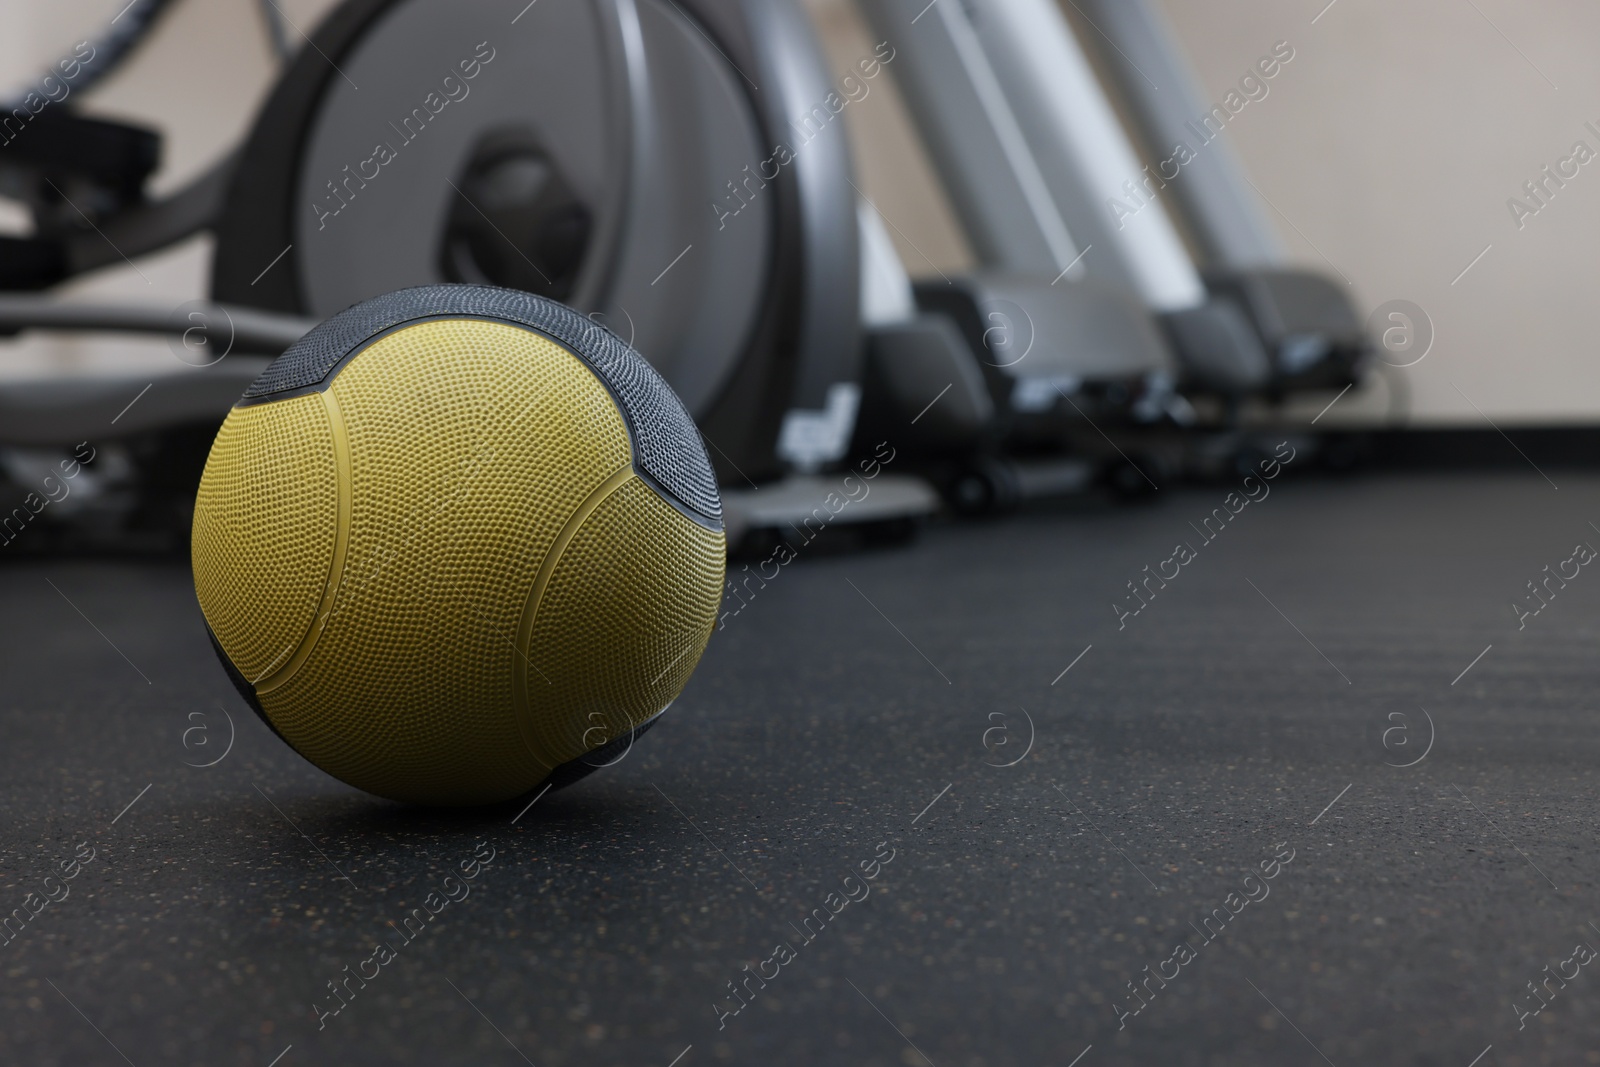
x: 1309, y: 328
x: 1116, y: 339
x: 607, y: 153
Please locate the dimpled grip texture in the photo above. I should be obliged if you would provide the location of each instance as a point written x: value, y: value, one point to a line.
x: 499, y: 590
x: 667, y: 444
x: 276, y: 469
x: 576, y: 698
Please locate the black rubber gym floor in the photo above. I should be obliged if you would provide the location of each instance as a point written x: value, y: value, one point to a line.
x: 1222, y: 774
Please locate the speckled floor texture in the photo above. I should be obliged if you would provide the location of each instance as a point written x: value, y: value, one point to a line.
x: 1328, y: 797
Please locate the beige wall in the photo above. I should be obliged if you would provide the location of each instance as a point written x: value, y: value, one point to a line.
x: 1392, y: 142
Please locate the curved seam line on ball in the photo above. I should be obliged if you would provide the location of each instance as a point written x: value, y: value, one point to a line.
x: 325, y: 383
x: 341, y: 544
x: 670, y: 498
x: 521, y: 706
x: 337, y: 368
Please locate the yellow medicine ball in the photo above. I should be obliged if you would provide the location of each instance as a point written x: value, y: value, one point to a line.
x: 459, y: 542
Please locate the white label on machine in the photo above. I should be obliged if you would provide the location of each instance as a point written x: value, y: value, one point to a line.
x: 811, y: 438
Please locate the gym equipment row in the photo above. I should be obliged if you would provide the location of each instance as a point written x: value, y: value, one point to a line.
x: 574, y: 154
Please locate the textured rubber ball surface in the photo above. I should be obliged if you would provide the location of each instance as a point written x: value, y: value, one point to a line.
x: 665, y: 437
x: 440, y: 574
